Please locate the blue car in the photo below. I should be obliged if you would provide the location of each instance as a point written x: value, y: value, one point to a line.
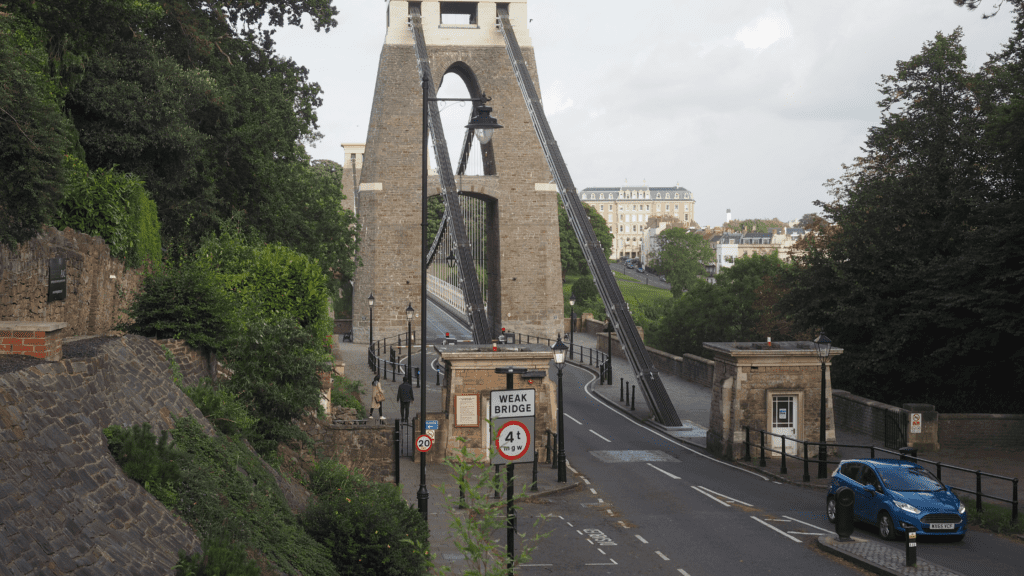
x: 896, y: 495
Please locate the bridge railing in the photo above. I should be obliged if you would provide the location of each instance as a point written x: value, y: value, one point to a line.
x: 580, y: 354
x: 446, y: 292
x: 783, y: 455
x: 381, y: 355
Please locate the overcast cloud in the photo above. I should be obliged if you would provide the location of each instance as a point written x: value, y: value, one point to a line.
x: 750, y: 104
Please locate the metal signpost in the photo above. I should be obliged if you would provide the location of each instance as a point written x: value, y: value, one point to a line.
x: 512, y: 413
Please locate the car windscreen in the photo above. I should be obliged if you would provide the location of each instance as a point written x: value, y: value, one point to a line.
x: 910, y: 480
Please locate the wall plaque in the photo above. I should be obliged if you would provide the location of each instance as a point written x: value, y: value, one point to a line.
x: 57, y: 289
x: 467, y: 410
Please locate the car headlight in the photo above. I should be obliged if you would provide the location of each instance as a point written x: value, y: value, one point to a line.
x: 906, y: 507
x: 962, y: 508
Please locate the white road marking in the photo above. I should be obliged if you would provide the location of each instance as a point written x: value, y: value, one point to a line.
x: 776, y: 529
x: 641, y: 538
x: 609, y: 512
x: 728, y: 498
x: 612, y: 563
x: 601, y: 500
x: 710, y: 496
x: 663, y: 557
x: 779, y: 483
x: 669, y: 474
x: 807, y: 533
x: 569, y: 523
x: 526, y: 565
x: 602, y: 551
x: 675, y: 441
x: 827, y: 531
x: 683, y: 572
x: 623, y: 523
x: 593, y: 491
x: 571, y: 468
x: 573, y: 419
x: 599, y: 436
x: 579, y: 532
x: 585, y: 481
x: 776, y: 520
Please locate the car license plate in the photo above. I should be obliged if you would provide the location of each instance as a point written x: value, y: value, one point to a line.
x: 941, y: 526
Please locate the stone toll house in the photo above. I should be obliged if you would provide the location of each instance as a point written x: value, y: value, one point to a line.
x: 774, y: 387
x: 469, y: 379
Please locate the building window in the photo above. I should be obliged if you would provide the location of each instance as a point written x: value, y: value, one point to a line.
x: 677, y: 195
x: 686, y: 217
x: 677, y: 207
x: 602, y: 208
x: 620, y: 227
x: 659, y: 195
x: 686, y: 207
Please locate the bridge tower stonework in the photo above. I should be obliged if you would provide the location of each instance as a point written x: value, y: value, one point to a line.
x: 524, y: 289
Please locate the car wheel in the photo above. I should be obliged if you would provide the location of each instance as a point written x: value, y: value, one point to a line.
x: 830, y: 509
x: 885, y: 527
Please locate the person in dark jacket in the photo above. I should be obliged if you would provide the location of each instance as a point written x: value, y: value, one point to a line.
x: 405, y: 397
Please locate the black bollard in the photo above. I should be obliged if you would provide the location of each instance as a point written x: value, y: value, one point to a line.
x: 533, y: 487
x: 497, y: 482
x: 633, y: 405
x: 398, y: 441
x: 844, y: 513
x: 620, y: 389
x: 911, y: 546
x: 627, y: 393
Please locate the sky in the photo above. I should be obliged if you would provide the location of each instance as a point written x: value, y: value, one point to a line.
x: 752, y: 105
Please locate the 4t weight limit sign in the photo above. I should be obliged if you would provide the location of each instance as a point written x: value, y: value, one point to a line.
x: 513, y: 441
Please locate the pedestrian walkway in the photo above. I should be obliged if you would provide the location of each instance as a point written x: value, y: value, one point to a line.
x: 442, y: 488
x: 880, y: 558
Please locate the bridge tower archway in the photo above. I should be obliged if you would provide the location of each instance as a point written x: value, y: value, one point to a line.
x: 525, y: 294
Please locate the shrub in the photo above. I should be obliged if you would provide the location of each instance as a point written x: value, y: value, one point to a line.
x: 220, y: 557
x: 227, y: 489
x: 367, y: 527
x: 222, y: 408
x: 585, y: 289
x: 114, y: 206
x: 277, y: 366
x: 181, y: 300
x: 345, y: 393
x: 151, y: 462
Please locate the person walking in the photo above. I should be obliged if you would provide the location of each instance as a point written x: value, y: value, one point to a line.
x: 378, y: 399
x: 405, y: 397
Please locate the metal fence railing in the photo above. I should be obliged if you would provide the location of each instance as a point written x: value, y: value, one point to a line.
x: 576, y: 353
x: 977, y: 492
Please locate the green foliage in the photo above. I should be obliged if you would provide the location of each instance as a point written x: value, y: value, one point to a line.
x: 220, y: 557
x: 367, y: 526
x: 473, y: 534
x: 34, y: 133
x: 276, y: 373
x: 573, y: 261
x: 345, y: 393
x: 680, y: 258
x: 228, y: 489
x: 993, y: 516
x: 181, y: 300
x: 737, y: 308
x: 754, y: 225
x: 113, y: 206
x: 269, y: 280
x: 920, y: 279
x: 222, y: 408
x: 152, y: 462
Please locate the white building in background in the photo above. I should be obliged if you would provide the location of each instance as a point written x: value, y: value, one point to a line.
x: 627, y: 210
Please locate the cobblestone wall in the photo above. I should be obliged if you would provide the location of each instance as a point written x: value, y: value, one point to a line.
x: 98, y: 286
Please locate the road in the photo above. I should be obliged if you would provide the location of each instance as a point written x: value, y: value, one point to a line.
x: 650, y: 279
x: 650, y: 505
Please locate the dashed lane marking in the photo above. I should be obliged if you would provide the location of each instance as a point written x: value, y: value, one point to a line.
x: 669, y: 474
x: 683, y: 572
x: 593, y: 491
x: 612, y: 563
x: 728, y: 498
x: 585, y: 481
x: 826, y: 530
x: 599, y: 436
x: 640, y: 538
x: 776, y: 529
x: 710, y: 496
x: 663, y: 557
x: 573, y: 419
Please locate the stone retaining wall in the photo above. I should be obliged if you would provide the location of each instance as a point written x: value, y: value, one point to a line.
x: 66, y: 504
x: 98, y: 286
x: 860, y: 414
x: 368, y: 448
x: 988, y: 430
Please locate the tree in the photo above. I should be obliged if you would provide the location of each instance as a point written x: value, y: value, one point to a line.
x: 573, y: 261
x: 755, y: 225
x: 739, y: 306
x: 910, y: 280
x: 681, y: 255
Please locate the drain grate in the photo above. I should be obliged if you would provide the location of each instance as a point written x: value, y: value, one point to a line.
x: 614, y: 456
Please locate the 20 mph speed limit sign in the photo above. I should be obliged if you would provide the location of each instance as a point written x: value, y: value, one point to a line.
x: 424, y: 442
x: 514, y: 441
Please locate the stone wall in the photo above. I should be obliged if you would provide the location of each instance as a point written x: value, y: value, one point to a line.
x: 689, y: 367
x: 368, y: 448
x: 98, y: 286
x: 65, y: 503
x: 988, y: 430
x: 860, y: 414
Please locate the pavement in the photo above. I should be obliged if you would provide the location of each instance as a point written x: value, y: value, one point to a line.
x: 693, y: 404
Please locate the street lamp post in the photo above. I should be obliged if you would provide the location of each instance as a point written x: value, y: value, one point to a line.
x: 373, y: 359
x: 823, y: 346
x: 559, y: 349
x: 572, y: 321
x: 409, y: 312
x: 483, y: 125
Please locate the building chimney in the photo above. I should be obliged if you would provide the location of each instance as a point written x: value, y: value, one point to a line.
x: 728, y: 215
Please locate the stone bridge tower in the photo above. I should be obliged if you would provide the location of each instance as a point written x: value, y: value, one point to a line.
x: 524, y: 291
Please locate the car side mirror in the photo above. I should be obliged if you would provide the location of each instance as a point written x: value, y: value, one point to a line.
x: 875, y: 488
